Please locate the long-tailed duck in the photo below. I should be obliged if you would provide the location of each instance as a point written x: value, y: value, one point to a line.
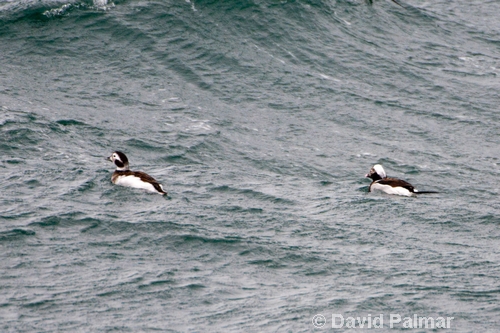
x: 138, y: 179
x: 390, y: 185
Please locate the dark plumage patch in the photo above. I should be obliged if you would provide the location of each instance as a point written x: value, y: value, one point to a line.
x: 119, y: 164
x: 395, y: 182
x: 374, y: 176
x: 122, y: 157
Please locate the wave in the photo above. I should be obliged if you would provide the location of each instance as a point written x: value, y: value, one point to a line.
x: 15, y: 235
x: 37, y: 10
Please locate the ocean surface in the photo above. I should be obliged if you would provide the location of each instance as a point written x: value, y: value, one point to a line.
x: 261, y: 119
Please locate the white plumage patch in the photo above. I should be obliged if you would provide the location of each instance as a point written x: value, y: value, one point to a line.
x: 380, y: 170
x: 136, y: 182
x: 391, y: 190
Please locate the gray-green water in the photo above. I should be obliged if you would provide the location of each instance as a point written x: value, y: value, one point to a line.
x: 261, y: 119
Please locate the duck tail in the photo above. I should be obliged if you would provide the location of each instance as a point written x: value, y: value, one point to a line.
x: 425, y: 192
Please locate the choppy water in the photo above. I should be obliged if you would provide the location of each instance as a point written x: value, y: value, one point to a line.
x: 261, y: 119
